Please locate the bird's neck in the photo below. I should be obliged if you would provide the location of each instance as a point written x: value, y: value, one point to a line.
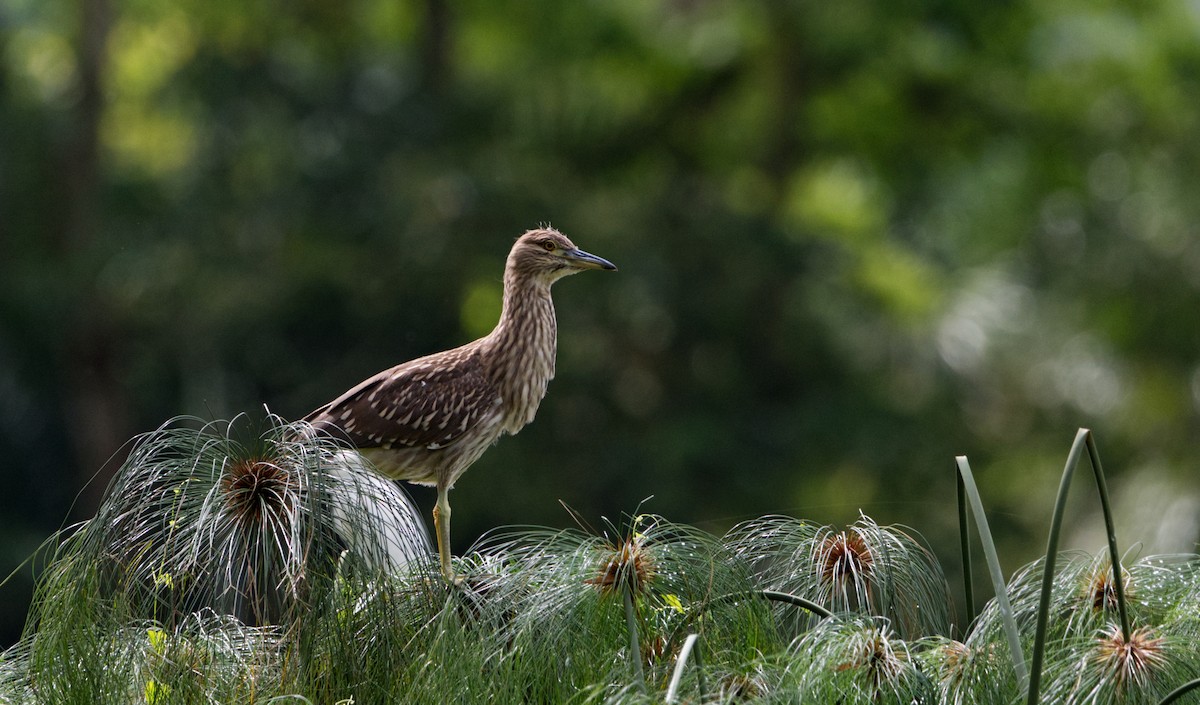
x: 524, y: 343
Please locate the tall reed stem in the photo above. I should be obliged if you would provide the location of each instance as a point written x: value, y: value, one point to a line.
x: 1083, y: 440
x: 993, y: 561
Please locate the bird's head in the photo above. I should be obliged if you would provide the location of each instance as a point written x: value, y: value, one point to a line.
x: 548, y: 255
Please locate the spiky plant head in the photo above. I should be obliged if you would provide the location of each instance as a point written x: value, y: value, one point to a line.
x: 1083, y: 597
x: 951, y: 659
x: 1102, y: 590
x: 845, y: 563
x: 201, y: 519
x: 971, y: 672
x: 865, y: 568
x: 875, y: 653
x: 211, y: 515
x: 1106, y: 667
x: 628, y: 566
x: 260, y: 491
x: 855, y: 659
x: 1129, y: 664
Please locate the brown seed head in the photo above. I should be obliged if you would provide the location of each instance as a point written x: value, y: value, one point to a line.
x: 875, y: 655
x: 254, y: 487
x: 957, y: 657
x: 1102, y: 591
x: 628, y: 566
x: 844, y: 555
x: 1132, y: 663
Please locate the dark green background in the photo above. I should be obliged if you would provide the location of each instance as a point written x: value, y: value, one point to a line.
x: 855, y: 240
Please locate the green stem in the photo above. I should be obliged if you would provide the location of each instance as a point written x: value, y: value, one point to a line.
x: 797, y: 601
x: 1083, y: 439
x: 677, y: 676
x: 1043, y: 616
x: 964, y: 541
x: 1180, y: 692
x: 773, y: 595
x: 1114, y: 557
x: 635, y: 647
x: 993, y: 561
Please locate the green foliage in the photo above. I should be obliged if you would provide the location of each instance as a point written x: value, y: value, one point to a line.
x: 978, y: 671
x: 852, y: 660
x: 540, y: 619
x: 1087, y: 655
x: 207, y: 548
x: 195, y: 584
x: 198, y: 519
x: 865, y: 568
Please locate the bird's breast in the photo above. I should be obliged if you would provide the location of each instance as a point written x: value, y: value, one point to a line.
x: 526, y: 396
x: 523, y: 350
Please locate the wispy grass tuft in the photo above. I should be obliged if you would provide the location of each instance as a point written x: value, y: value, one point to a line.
x: 207, y: 658
x: 854, y: 659
x: 198, y: 518
x: 206, y: 519
x: 865, y: 568
x: 545, y: 616
x: 279, y: 569
x: 1160, y: 593
x: 576, y: 598
x: 977, y: 671
x: 1107, y: 668
x: 1082, y: 599
x: 16, y: 686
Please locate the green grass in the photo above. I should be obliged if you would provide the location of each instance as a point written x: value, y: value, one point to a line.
x: 226, y: 566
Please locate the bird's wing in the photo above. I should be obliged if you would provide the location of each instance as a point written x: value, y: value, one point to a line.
x: 431, y: 402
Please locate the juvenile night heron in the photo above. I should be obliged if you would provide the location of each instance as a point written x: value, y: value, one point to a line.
x: 427, y: 420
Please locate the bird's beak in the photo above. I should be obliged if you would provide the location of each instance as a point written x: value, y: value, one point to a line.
x: 586, y: 260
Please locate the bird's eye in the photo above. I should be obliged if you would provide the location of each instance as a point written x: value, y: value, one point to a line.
x: 548, y: 245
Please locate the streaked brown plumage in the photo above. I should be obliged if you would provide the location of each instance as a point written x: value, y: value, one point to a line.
x: 427, y: 420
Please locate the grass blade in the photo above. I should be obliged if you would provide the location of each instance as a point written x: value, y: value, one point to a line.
x: 1180, y: 692
x: 635, y: 648
x: 1039, y: 639
x: 677, y: 676
x: 798, y: 601
x: 993, y: 561
x: 964, y: 540
x: 1083, y: 440
x: 1114, y: 557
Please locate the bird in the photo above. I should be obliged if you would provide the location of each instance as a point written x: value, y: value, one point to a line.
x: 427, y: 420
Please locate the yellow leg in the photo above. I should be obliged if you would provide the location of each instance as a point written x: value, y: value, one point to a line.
x: 441, y: 526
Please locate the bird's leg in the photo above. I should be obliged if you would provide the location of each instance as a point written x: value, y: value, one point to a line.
x: 441, y: 525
